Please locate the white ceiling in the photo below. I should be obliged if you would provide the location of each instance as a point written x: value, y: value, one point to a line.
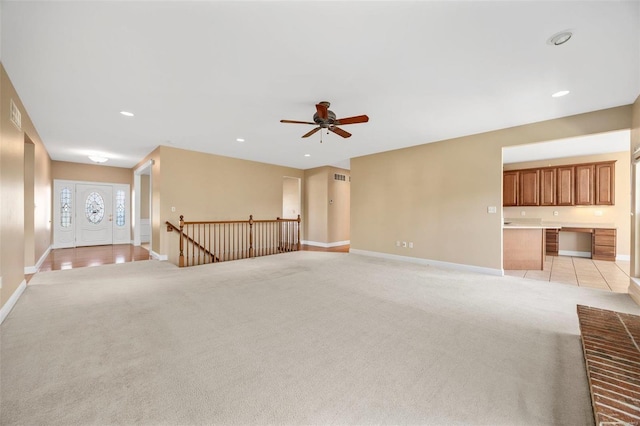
x: 198, y: 75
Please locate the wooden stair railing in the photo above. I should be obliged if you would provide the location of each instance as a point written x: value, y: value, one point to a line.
x: 218, y: 241
x: 172, y: 227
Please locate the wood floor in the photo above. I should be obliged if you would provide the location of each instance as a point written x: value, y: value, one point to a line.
x: 82, y: 257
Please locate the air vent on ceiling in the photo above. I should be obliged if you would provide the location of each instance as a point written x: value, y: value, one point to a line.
x: 14, y: 115
x: 337, y: 176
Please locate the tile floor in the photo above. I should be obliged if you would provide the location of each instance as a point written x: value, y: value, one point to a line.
x: 583, y: 272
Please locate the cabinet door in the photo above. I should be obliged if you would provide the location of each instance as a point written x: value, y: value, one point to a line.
x: 604, y: 244
x: 584, y: 185
x: 604, y: 180
x: 510, y: 188
x: 565, y: 178
x: 548, y: 187
x: 529, y: 188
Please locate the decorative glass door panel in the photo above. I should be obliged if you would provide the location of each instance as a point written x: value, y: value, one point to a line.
x: 94, y: 215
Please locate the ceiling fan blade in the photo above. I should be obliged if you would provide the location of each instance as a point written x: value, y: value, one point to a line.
x: 339, y: 131
x: 297, y: 122
x: 352, y: 120
x: 306, y: 135
x: 323, y: 111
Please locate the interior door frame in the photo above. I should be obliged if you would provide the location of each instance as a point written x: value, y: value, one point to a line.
x: 144, y: 169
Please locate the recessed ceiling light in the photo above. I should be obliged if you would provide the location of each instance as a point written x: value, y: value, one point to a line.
x: 127, y: 113
x: 560, y: 94
x: 560, y: 38
x: 98, y: 159
x: 307, y: 155
x: 239, y: 140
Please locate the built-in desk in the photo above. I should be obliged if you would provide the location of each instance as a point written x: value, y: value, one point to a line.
x: 603, y: 241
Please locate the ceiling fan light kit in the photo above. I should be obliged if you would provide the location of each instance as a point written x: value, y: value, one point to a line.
x: 326, y: 119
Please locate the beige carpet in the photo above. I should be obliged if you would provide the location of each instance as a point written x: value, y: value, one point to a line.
x: 299, y: 338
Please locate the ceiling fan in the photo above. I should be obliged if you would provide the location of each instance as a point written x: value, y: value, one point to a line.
x: 326, y: 119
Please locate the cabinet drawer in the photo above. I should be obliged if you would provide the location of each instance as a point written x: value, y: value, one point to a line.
x: 608, y: 251
x: 605, y: 232
x: 605, y: 240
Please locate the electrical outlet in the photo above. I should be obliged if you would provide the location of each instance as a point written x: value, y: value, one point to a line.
x: 523, y: 213
x: 411, y: 244
x: 555, y: 213
x: 173, y: 209
x: 597, y: 213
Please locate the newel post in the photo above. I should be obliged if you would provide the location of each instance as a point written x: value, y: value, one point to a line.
x: 181, y: 258
x: 250, y: 235
x: 298, y: 232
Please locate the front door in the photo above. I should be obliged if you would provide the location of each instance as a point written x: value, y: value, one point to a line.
x: 94, y: 214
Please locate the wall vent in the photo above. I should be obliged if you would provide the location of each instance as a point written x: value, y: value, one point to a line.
x: 14, y: 115
x: 337, y: 176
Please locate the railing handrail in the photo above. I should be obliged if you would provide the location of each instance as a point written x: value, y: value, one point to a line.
x: 171, y: 227
x: 292, y: 242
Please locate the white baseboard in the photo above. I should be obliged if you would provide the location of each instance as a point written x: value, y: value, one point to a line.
x: 325, y: 245
x: 34, y: 269
x: 626, y: 257
x: 4, y: 311
x: 572, y: 253
x: 438, y: 263
x: 161, y: 257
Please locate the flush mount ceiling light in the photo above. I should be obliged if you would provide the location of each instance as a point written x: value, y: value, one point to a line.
x: 307, y: 155
x: 560, y: 38
x: 98, y: 159
x: 560, y: 94
x: 239, y: 140
x: 126, y: 113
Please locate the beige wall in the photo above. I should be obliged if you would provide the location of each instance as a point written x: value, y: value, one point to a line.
x: 211, y: 187
x: 13, y: 235
x: 90, y: 172
x: 618, y: 215
x: 144, y: 197
x: 436, y: 195
x: 327, y: 205
x: 634, y: 289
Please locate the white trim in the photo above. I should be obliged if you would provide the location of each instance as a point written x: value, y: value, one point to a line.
x: 34, y: 269
x: 428, y: 262
x: 325, y: 245
x: 157, y: 256
x: 137, y: 201
x: 625, y: 257
x: 572, y: 253
x: 634, y: 289
x: 4, y: 311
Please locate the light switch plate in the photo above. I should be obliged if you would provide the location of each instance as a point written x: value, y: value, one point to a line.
x: 492, y: 209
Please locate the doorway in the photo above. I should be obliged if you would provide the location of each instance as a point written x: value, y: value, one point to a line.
x: 291, y: 197
x: 90, y: 214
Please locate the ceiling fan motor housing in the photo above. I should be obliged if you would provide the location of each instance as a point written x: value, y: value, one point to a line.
x: 324, y: 123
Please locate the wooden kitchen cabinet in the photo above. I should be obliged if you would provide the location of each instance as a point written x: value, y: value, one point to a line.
x: 603, y: 245
x: 565, y: 186
x: 548, y: 186
x: 529, y: 187
x: 551, y: 241
x: 584, y: 191
x: 510, y: 188
x: 605, y: 184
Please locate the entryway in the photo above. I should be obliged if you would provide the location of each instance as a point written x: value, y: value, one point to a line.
x: 90, y: 214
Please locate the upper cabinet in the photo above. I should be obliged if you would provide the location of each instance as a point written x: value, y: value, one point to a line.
x: 548, y: 186
x: 605, y: 184
x: 566, y: 185
x: 510, y: 188
x: 584, y: 185
x: 529, y: 189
